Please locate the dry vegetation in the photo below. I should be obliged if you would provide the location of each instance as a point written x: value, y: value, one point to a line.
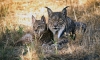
x: 15, y: 21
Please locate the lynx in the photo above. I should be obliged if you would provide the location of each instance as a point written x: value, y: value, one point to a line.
x: 41, y: 31
x: 57, y: 24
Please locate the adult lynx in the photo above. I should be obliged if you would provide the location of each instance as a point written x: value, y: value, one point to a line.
x: 57, y: 24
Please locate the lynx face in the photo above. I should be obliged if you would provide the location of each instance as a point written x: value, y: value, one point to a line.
x: 39, y: 26
x: 56, y: 24
x: 57, y: 21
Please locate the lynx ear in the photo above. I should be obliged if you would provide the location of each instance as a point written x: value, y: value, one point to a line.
x: 64, y: 12
x: 43, y: 19
x: 33, y: 19
x: 49, y: 11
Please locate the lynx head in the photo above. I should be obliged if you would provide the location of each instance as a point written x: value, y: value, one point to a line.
x: 39, y: 26
x: 56, y: 21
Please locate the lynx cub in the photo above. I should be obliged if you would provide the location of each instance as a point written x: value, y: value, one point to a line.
x: 41, y: 31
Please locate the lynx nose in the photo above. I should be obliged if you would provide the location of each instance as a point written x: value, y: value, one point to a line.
x: 55, y: 25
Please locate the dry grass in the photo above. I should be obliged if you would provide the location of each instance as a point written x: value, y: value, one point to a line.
x: 17, y: 13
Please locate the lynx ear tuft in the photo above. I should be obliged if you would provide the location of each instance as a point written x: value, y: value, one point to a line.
x: 64, y: 11
x: 49, y: 11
